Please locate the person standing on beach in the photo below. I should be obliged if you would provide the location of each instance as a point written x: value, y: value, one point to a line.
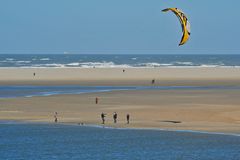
x: 103, y: 118
x: 55, y: 117
x: 153, y: 81
x: 128, y: 118
x: 96, y: 100
x: 115, y: 117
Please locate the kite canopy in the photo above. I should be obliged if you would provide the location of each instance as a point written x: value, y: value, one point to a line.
x: 184, y: 23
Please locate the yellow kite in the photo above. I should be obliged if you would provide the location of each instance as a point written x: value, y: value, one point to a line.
x: 184, y: 22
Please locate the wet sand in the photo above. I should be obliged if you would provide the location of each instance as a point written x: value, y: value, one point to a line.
x: 203, y: 110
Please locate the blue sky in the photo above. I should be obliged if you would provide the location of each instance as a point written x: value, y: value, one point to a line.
x: 117, y: 26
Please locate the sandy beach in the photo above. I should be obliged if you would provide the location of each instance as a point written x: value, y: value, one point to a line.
x: 202, y: 110
x: 115, y: 76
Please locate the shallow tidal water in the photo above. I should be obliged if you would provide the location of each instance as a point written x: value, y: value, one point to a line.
x: 31, y: 91
x: 57, y: 141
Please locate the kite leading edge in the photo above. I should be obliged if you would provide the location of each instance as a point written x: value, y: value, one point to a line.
x: 184, y: 23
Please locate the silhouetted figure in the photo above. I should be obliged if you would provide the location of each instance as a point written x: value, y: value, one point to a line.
x: 115, y: 117
x: 103, y: 118
x: 96, y: 100
x: 153, y: 81
x: 123, y: 70
x: 34, y: 74
x: 55, y: 117
x: 128, y: 118
x: 56, y: 120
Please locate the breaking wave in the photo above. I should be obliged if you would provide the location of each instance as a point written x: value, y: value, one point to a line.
x: 44, y: 59
x: 118, y: 61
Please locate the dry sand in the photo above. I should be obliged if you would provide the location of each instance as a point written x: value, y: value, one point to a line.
x: 204, y: 110
x: 116, y: 76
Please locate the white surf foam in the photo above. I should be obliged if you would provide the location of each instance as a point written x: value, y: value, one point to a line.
x: 49, y: 65
x: 23, y: 61
x: 135, y: 58
x: 73, y: 64
x: 10, y: 59
x: 184, y: 63
x: 102, y: 65
x: 154, y: 64
x: 44, y: 59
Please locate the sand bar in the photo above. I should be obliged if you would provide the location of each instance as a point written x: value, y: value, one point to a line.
x: 203, y: 110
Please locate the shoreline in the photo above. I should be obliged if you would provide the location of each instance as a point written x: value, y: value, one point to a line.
x: 120, y: 128
x: 122, y: 67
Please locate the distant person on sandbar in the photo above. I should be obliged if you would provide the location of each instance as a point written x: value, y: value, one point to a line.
x: 115, y: 117
x: 55, y: 117
x: 128, y: 118
x: 153, y: 81
x: 103, y: 115
x: 96, y: 100
x: 34, y: 74
x: 123, y: 70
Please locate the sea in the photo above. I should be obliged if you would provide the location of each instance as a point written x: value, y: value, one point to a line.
x: 23, y: 141
x: 114, y: 60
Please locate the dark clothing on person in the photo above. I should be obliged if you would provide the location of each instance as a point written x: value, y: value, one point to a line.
x: 55, y: 117
x: 56, y: 120
x: 96, y: 100
x: 115, y: 117
x: 103, y: 118
x: 128, y: 118
x: 153, y: 81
